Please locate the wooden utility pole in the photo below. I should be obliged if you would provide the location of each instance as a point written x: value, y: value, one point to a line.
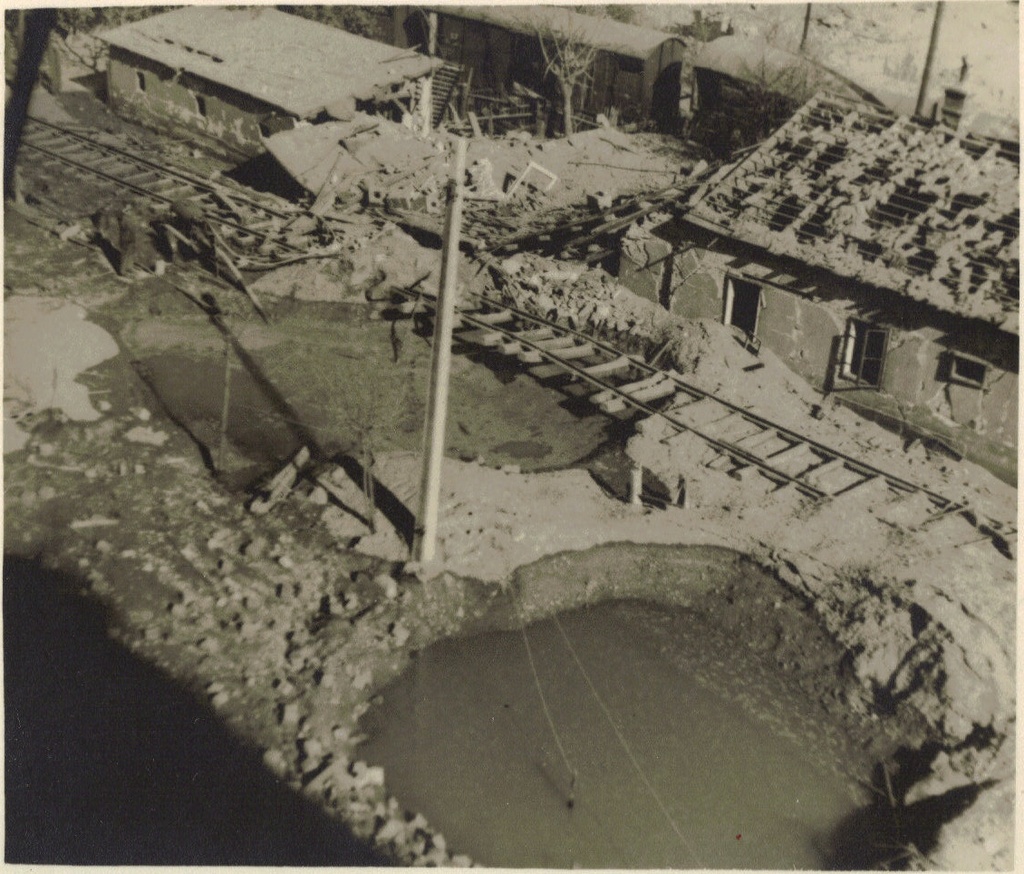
x: 427, y: 94
x: 225, y: 409
x: 929, y: 59
x: 807, y: 25
x: 425, y: 538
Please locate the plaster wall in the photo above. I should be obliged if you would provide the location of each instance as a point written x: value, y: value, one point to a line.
x: 171, y: 101
x: 806, y: 333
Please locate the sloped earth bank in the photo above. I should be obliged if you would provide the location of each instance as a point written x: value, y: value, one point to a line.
x: 286, y: 636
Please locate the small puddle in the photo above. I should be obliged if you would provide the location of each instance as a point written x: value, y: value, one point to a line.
x: 523, y: 449
x: 708, y: 781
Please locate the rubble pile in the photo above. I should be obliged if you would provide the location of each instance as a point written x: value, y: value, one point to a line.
x: 286, y: 643
x: 590, y: 300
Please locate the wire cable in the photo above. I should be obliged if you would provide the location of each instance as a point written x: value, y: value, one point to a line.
x: 625, y: 745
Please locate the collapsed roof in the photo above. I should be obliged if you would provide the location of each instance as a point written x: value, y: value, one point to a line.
x: 299, y: 66
x: 628, y: 40
x: 884, y: 200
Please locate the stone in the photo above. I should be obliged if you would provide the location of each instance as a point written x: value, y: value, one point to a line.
x: 318, y: 496
x: 141, y: 413
x: 46, y: 450
x: 388, y: 585
x: 47, y: 493
x: 274, y: 759
x: 255, y: 548
x: 390, y: 831
x: 150, y: 436
x: 140, y: 469
x: 220, y: 699
x: 400, y: 633
x: 290, y: 714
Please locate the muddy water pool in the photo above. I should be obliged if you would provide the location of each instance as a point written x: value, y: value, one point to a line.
x: 295, y: 393
x: 681, y: 759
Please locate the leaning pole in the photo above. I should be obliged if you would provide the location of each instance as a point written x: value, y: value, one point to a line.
x: 425, y: 536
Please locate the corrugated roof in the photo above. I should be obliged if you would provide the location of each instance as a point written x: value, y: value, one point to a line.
x: 603, y: 33
x: 884, y: 200
x: 297, y: 65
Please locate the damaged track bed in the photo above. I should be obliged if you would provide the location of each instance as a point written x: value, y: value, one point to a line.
x: 745, y: 443
x: 263, y: 236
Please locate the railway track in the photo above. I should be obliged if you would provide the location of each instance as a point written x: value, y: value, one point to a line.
x: 266, y: 232
x: 744, y: 442
x: 263, y: 232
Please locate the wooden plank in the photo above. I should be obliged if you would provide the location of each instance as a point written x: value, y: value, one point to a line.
x: 481, y: 337
x: 630, y: 387
x: 514, y: 346
x: 701, y: 413
x: 534, y: 356
x: 547, y: 371
x: 498, y: 317
x: 606, y: 367
x: 640, y: 396
x: 583, y: 351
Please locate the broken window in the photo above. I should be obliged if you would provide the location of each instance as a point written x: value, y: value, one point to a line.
x: 967, y: 370
x: 742, y: 304
x: 863, y: 353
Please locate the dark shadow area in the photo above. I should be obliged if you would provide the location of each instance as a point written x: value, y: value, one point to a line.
x: 400, y: 516
x: 109, y: 762
x: 888, y: 834
x: 146, y: 378
x: 264, y: 173
x: 38, y: 24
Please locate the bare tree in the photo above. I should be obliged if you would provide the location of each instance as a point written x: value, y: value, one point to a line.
x: 570, y: 60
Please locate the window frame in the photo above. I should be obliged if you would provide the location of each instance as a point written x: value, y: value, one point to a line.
x: 853, y: 371
x: 961, y: 379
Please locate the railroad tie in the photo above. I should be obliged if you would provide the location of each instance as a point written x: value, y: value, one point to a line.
x: 498, y: 317
x: 482, y: 337
x: 793, y: 461
x: 513, y: 344
x: 554, y: 345
x: 584, y: 350
x: 607, y: 367
x: 641, y: 395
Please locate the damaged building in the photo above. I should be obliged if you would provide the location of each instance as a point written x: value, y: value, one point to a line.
x: 233, y: 76
x: 635, y: 75
x: 876, y: 254
x: 743, y: 88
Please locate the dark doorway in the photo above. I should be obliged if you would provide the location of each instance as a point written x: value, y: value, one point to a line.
x: 415, y: 28
x: 742, y: 305
x: 665, y: 98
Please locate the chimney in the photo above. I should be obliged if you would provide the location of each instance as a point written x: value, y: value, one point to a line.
x: 953, y: 107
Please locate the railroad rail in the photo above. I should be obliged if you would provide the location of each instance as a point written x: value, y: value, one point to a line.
x: 269, y: 232
x: 745, y: 442
x: 263, y: 233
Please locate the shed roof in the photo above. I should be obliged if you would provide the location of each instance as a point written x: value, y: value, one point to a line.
x: 884, y: 200
x: 751, y: 59
x: 602, y: 33
x: 297, y: 65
